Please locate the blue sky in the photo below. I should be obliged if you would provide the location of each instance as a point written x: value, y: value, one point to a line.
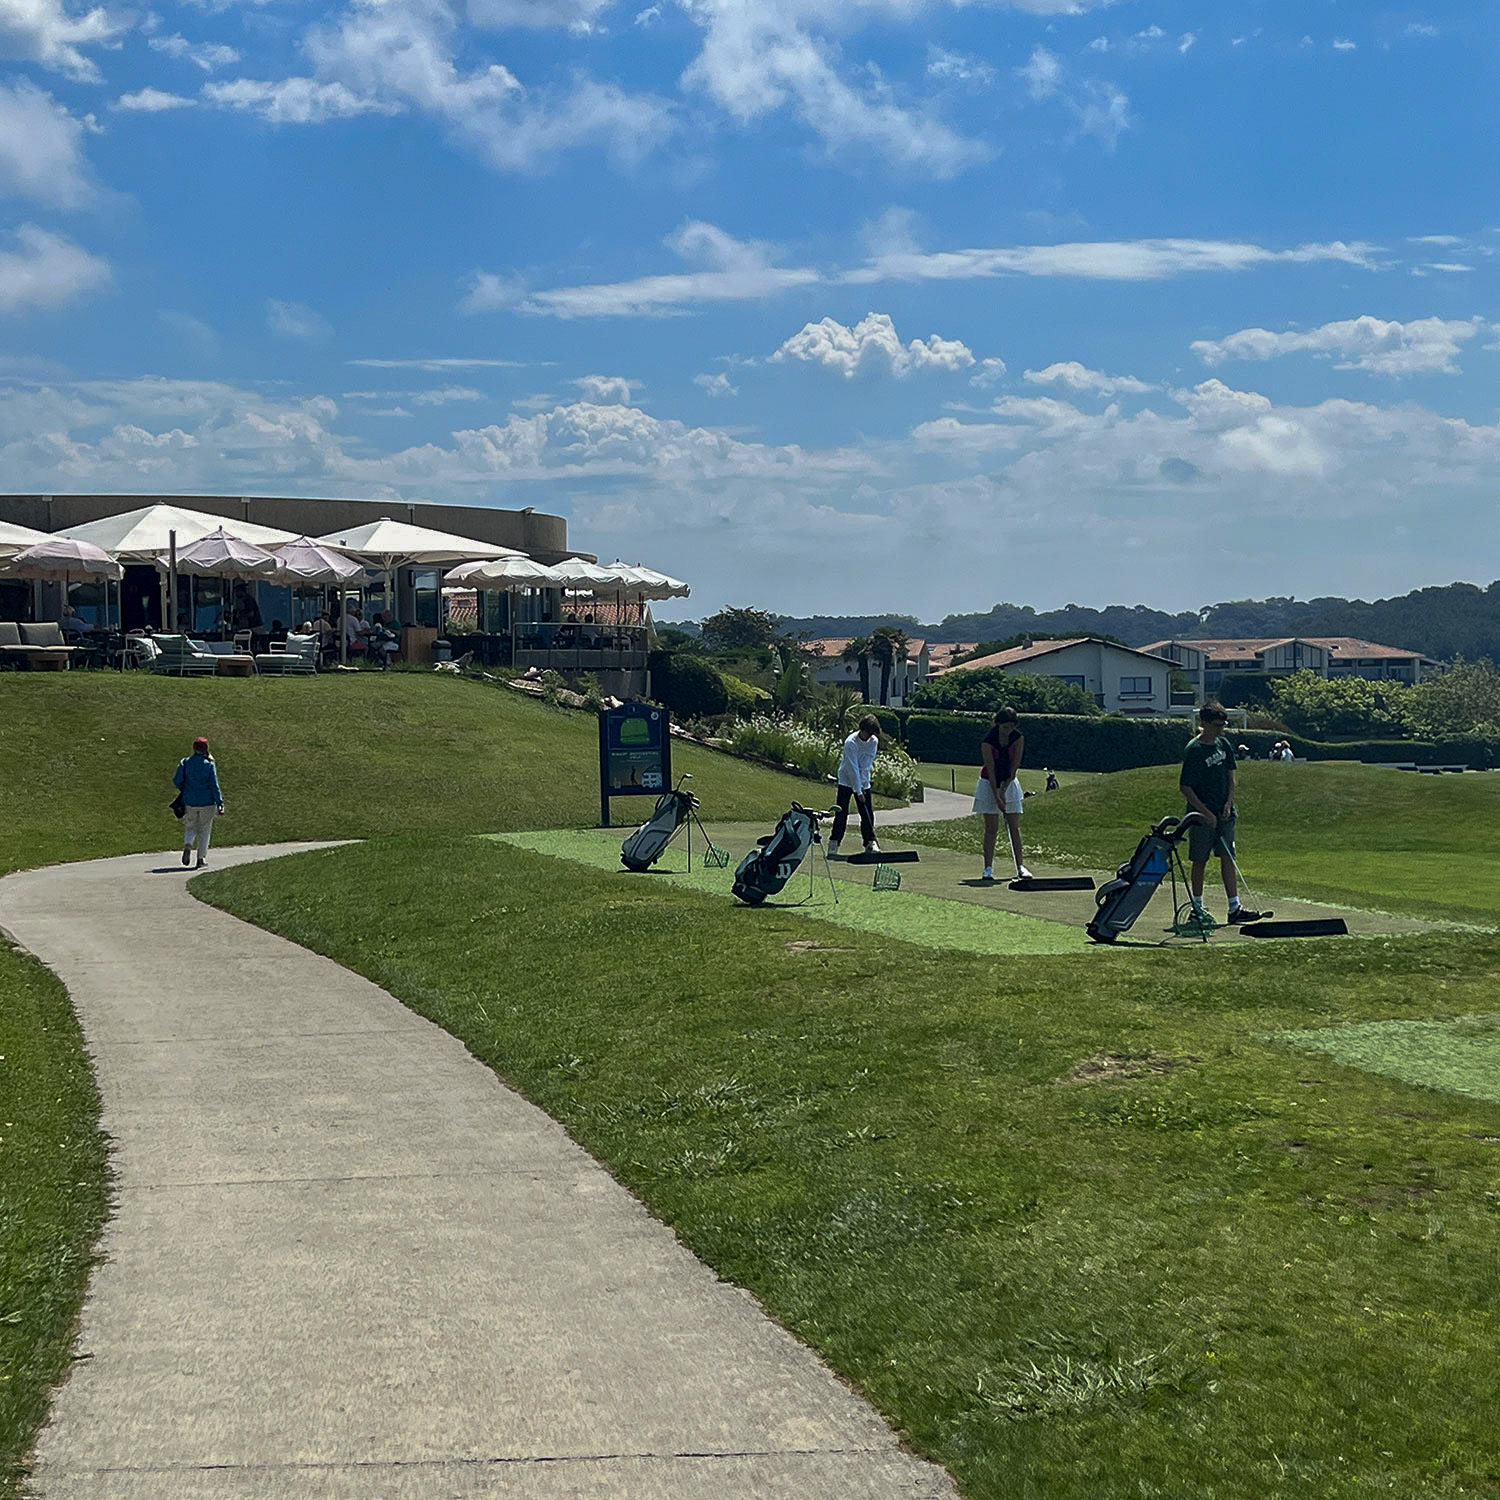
x: 843, y: 305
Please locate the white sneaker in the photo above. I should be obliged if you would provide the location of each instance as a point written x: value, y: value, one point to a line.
x: 872, y: 847
x: 989, y: 873
x: 833, y: 848
x: 1022, y: 873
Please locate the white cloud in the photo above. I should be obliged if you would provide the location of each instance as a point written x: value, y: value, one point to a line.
x: 1103, y: 260
x: 731, y: 271
x: 1186, y: 41
x: 41, y: 149
x: 955, y: 67
x: 716, y: 385
x: 577, y: 16
x: 41, y: 31
x: 395, y: 57
x: 758, y: 59
x: 1077, y: 377
x: 446, y: 395
x: 1343, y: 44
x: 1099, y: 44
x: 151, y: 101
x: 440, y: 363
x: 1422, y: 29
x: 296, y: 321
x: 1425, y: 346
x: 871, y: 346
x: 206, y: 55
x: 648, y: 17
x: 1100, y: 109
x: 990, y: 372
x: 45, y: 270
x: 605, y: 390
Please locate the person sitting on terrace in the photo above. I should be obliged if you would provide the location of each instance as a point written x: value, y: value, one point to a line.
x: 244, y: 612
x: 70, y: 624
x: 356, y: 632
x: 385, y: 638
x: 278, y: 631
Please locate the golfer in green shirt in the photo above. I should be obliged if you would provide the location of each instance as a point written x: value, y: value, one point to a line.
x: 1207, y: 783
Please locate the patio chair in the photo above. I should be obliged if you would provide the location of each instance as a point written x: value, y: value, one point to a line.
x: 140, y: 650
x: 183, y: 657
x: 296, y: 656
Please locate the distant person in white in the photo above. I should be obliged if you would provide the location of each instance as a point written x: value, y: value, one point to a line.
x: 855, y: 767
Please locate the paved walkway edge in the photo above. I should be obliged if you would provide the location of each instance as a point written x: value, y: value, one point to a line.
x: 346, y: 1261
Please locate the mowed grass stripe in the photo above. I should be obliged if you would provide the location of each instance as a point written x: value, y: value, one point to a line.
x: 1461, y: 1055
x: 908, y: 916
x: 1227, y: 1271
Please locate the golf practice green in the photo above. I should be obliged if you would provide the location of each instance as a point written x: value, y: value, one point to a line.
x: 940, y: 903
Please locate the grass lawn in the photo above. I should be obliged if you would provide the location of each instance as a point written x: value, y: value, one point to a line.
x: 950, y: 777
x: 1082, y: 1226
x: 89, y: 758
x: 1349, y: 834
x: 53, y: 1195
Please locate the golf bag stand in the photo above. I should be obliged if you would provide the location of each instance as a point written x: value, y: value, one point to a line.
x: 1121, y: 900
x: 767, y: 868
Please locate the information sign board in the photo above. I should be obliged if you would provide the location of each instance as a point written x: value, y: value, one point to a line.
x: 635, y: 753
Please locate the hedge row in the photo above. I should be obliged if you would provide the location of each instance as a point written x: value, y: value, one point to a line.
x: 1068, y: 742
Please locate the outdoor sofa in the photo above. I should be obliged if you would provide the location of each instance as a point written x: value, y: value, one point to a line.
x: 297, y: 656
x: 38, y: 645
x: 181, y: 656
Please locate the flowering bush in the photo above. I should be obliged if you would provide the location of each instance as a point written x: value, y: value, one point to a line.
x: 814, y: 751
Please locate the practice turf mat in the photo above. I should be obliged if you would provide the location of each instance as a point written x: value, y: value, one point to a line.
x: 1462, y: 1055
x: 932, y: 921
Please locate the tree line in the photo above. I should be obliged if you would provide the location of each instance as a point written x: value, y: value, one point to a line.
x: 1447, y: 622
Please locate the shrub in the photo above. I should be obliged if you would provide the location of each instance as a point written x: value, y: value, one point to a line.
x: 744, y: 698
x: 787, y: 742
x: 687, y: 684
x: 988, y: 688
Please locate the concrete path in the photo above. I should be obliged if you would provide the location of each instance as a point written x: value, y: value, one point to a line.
x: 936, y: 807
x: 346, y: 1263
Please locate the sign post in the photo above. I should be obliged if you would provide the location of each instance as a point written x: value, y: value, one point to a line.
x: 635, y: 753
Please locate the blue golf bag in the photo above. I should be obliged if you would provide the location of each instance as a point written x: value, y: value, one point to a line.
x: 1121, y: 900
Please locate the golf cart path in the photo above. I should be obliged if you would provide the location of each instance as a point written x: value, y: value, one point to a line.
x: 347, y: 1263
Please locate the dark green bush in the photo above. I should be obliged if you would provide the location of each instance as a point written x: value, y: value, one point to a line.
x: 687, y: 684
x: 987, y: 688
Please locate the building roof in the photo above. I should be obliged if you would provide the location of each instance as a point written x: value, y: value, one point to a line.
x: 1040, y: 649
x: 1342, y: 645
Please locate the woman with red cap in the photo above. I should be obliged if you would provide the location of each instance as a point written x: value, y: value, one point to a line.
x: 197, y: 778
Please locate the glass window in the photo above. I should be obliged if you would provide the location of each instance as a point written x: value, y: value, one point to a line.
x: 1135, y: 687
x: 1072, y: 681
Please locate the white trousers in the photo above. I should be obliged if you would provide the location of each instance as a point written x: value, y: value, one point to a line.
x: 198, y: 828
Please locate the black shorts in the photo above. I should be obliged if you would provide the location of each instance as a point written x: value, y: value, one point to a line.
x: 1204, y: 842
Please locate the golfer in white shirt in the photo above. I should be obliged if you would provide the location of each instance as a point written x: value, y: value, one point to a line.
x: 855, y: 767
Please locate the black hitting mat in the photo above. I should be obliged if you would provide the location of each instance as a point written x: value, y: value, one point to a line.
x: 1054, y: 883
x: 1314, y: 927
x: 890, y: 857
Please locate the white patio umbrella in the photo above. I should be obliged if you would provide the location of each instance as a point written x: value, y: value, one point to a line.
x: 56, y: 557
x: 139, y: 535
x: 302, y: 560
x: 13, y: 538
x: 506, y: 575
x: 388, y: 545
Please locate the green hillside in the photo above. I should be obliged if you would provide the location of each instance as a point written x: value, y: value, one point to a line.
x: 89, y: 757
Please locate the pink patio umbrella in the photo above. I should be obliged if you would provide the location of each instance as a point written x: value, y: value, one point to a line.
x: 57, y: 557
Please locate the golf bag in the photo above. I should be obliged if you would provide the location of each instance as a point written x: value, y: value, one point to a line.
x: 649, y: 842
x: 1121, y: 900
x: 765, y: 870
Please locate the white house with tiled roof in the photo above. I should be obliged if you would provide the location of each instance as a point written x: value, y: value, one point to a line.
x: 1206, y: 663
x: 1118, y: 678
x: 828, y: 664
